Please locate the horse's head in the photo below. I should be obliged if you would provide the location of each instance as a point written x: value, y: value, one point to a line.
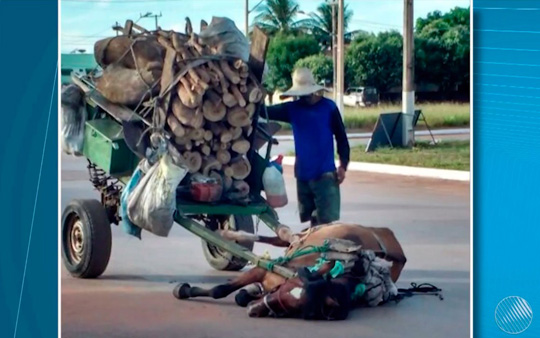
x: 314, y: 298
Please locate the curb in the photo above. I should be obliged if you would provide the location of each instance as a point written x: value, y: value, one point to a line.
x: 442, y: 174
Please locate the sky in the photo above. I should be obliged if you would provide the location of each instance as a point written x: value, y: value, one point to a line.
x: 85, y: 21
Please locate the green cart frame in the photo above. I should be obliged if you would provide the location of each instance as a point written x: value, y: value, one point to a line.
x: 86, y: 224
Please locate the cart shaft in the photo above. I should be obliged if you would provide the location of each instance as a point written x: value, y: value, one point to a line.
x: 232, y: 247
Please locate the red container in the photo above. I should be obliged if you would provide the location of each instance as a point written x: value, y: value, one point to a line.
x: 206, y: 192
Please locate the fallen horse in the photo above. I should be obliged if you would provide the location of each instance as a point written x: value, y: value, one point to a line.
x: 338, y: 267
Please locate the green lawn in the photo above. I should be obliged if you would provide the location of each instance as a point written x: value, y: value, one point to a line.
x: 444, y: 155
x: 438, y: 115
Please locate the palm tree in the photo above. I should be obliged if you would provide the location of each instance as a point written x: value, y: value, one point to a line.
x: 279, y: 16
x: 321, y: 23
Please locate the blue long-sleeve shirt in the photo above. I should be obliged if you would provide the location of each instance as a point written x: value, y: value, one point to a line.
x: 314, y: 128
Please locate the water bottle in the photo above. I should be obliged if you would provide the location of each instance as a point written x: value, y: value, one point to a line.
x: 274, y: 186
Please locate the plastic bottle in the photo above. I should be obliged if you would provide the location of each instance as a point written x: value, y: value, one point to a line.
x: 274, y: 187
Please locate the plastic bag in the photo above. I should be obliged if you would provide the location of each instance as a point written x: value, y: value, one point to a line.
x: 72, y: 120
x: 152, y: 204
x: 223, y: 35
x: 127, y: 225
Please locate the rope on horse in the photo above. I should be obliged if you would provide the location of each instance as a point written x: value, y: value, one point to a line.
x: 298, y: 253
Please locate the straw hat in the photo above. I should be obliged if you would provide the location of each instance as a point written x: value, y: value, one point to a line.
x: 303, y: 84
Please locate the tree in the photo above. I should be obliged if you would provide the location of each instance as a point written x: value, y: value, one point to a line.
x: 320, y: 65
x: 278, y: 16
x: 283, y: 53
x: 442, y: 49
x: 376, y: 60
x: 321, y: 23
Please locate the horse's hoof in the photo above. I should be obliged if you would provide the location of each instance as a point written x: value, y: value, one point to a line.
x: 181, y: 291
x: 243, y: 298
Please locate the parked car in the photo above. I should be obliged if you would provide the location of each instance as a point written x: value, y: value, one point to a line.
x: 361, y: 97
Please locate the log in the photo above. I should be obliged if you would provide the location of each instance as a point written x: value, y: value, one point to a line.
x: 241, y: 146
x: 238, y: 95
x: 213, y: 112
x: 229, y: 99
x: 226, y: 136
x: 230, y: 74
x: 186, y: 94
x: 238, y: 64
x: 227, y: 182
x: 223, y: 156
x: 184, y: 114
x: 214, y: 97
x: 198, y: 121
x: 228, y: 171
x: 210, y: 163
x: 254, y: 93
x: 238, y: 191
x: 251, y: 108
x: 224, y: 146
x: 176, y: 126
x: 205, y: 150
x: 193, y: 161
x: 208, y: 135
x: 196, y: 134
x: 238, y: 117
x: 177, y: 41
x: 236, y: 132
x: 241, y: 168
x: 198, y: 143
x: 248, y: 130
x: 243, y: 88
x: 182, y: 141
x: 165, y: 42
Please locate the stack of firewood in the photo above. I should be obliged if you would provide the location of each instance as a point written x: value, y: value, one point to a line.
x: 209, y: 112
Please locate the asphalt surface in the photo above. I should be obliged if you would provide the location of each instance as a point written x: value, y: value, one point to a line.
x: 133, y: 297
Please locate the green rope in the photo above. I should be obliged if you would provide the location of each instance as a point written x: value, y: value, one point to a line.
x: 299, y: 252
x: 358, y: 291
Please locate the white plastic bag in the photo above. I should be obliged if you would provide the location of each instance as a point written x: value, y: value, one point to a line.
x: 152, y: 203
x: 223, y: 35
x: 72, y: 120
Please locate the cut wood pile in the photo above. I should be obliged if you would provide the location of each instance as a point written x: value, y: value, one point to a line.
x: 198, y: 88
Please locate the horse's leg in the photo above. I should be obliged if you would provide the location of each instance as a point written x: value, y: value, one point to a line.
x: 184, y: 291
x: 394, y: 251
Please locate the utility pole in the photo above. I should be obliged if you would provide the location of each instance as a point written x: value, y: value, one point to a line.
x: 408, y: 74
x: 246, y: 23
x: 340, y: 56
x: 150, y: 15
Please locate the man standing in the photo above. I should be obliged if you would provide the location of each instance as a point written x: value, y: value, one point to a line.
x: 315, y: 120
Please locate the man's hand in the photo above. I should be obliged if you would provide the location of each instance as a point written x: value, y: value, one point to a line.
x: 341, y: 174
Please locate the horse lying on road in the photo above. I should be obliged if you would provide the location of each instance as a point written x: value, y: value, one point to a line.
x: 338, y: 266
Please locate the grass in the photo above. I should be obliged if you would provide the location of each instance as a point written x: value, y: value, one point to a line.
x: 438, y: 115
x: 445, y: 155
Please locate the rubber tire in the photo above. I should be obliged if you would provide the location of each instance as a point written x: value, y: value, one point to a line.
x: 225, y: 261
x: 97, y: 243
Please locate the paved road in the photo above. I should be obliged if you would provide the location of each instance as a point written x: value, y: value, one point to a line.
x: 133, y: 298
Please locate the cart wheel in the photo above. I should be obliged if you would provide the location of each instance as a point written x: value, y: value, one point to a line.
x: 86, y: 238
x: 223, y: 260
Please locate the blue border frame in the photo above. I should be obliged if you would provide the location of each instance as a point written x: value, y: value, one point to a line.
x: 29, y: 169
